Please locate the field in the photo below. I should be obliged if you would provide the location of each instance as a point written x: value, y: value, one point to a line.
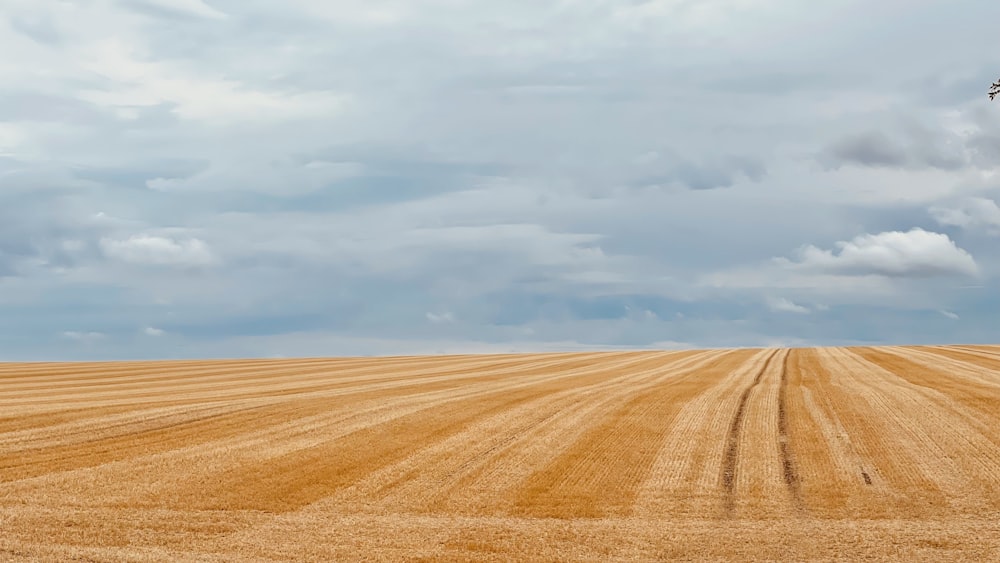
x: 827, y: 453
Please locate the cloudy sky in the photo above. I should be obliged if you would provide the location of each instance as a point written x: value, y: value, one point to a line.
x: 220, y: 178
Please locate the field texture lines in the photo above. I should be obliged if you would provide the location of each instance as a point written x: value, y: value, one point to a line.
x: 889, y: 453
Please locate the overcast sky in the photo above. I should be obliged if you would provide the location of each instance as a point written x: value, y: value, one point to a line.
x: 221, y: 178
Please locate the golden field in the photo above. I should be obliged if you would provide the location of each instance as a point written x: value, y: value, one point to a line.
x: 776, y: 454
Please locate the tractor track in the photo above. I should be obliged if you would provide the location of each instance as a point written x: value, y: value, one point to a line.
x: 733, y: 439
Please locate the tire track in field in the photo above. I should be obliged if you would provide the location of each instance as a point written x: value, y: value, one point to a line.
x: 789, y: 470
x: 731, y: 452
x: 684, y: 478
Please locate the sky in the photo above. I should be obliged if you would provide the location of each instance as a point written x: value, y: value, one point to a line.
x: 241, y: 178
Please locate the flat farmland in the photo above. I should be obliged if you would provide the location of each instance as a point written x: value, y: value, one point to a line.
x: 775, y: 454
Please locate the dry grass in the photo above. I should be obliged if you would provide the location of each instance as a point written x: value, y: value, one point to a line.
x: 824, y: 454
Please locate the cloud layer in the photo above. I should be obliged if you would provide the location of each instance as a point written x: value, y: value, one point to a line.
x: 222, y: 178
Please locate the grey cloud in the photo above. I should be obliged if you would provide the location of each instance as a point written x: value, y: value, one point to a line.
x: 985, y: 148
x: 275, y: 177
x: 867, y: 149
x: 746, y: 79
x: 33, y: 106
x: 42, y: 228
x: 36, y: 26
x: 708, y: 175
x: 973, y: 213
x: 7, y: 263
x: 914, y: 146
x: 137, y: 174
x: 951, y: 87
x: 940, y: 149
x: 705, y: 177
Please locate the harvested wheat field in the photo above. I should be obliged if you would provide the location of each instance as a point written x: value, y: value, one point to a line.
x: 825, y: 454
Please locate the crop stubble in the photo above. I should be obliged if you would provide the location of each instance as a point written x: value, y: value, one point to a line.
x: 834, y: 453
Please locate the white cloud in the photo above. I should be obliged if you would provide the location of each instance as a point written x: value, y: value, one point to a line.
x: 782, y: 305
x: 260, y: 175
x: 11, y: 136
x: 441, y: 318
x: 671, y: 345
x: 973, y: 214
x: 153, y: 331
x: 950, y: 314
x: 640, y: 315
x: 157, y: 250
x: 137, y: 82
x: 83, y: 336
x: 190, y: 7
x: 915, y: 253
